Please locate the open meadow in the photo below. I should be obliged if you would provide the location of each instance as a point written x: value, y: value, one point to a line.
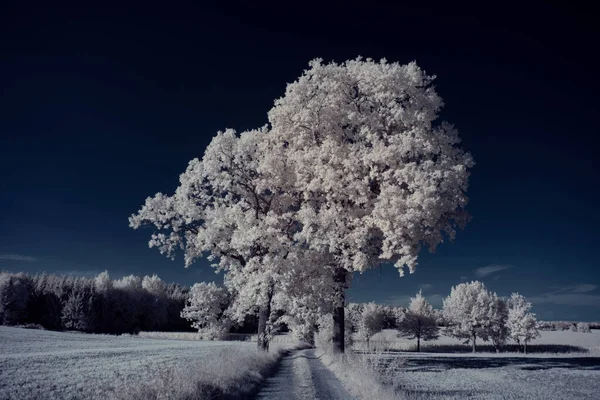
x: 560, y: 365
x: 38, y: 364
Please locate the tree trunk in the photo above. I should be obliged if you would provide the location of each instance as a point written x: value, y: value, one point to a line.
x: 474, y: 339
x: 525, y: 346
x: 418, y: 344
x: 338, y: 337
x: 263, y: 321
x: 518, y: 345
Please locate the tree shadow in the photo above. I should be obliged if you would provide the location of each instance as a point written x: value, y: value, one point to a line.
x: 509, y: 348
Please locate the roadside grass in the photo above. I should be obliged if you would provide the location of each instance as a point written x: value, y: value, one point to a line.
x: 366, y: 376
x: 227, y: 374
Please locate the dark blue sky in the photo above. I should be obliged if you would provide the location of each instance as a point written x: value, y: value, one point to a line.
x: 101, y: 108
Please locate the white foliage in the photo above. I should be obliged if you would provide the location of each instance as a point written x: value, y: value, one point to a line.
x: 418, y: 321
x: 103, y: 283
x: 205, y: 309
x: 131, y: 283
x: 370, y: 321
x: 377, y: 174
x: 496, y: 328
x: 521, y: 323
x: 467, y: 309
x: 154, y: 285
x: 583, y: 327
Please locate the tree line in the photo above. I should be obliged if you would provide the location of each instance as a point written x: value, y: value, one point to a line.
x: 469, y: 313
x: 95, y: 305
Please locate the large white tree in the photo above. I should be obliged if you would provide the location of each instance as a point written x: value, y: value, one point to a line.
x: 418, y: 321
x: 521, y: 323
x: 376, y: 174
x: 467, y: 311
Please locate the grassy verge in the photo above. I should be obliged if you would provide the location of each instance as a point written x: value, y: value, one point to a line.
x: 366, y: 376
x: 228, y: 374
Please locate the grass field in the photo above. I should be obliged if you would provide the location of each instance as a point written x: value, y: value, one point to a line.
x: 563, y: 365
x: 37, y: 364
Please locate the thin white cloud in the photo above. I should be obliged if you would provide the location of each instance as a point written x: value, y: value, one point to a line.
x: 570, y: 295
x: 567, y: 299
x: 578, y: 288
x: 425, y: 286
x: 17, y: 257
x: 490, y: 269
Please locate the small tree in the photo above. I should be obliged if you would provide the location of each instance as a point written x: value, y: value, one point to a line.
x: 521, y: 323
x: 73, y: 314
x: 370, y: 321
x: 496, y: 328
x: 583, y: 327
x: 466, y: 310
x: 205, y: 309
x: 418, y: 321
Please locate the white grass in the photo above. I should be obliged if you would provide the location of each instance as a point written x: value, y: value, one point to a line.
x: 365, y: 377
x: 240, y: 337
x: 58, y: 365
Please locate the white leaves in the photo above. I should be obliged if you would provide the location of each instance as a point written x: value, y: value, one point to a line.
x: 521, y: 323
x: 418, y: 320
x: 467, y: 308
x: 378, y: 178
x: 205, y: 308
x: 370, y: 320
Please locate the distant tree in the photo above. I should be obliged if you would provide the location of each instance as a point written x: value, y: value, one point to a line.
x: 206, y: 309
x: 47, y: 302
x: 496, y: 328
x: 583, y: 327
x: 370, y: 321
x: 521, y: 323
x: 98, y: 304
x: 74, y: 313
x: 14, y: 295
x: 418, y: 321
x: 466, y: 310
x: 103, y: 283
x: 130, y: 283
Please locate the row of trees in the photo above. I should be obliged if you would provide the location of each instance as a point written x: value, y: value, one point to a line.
x: 472, y: 311
x: 353, y: 170
x: 584, y: 327
x: 469, y: 312
x: 99, y: 304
